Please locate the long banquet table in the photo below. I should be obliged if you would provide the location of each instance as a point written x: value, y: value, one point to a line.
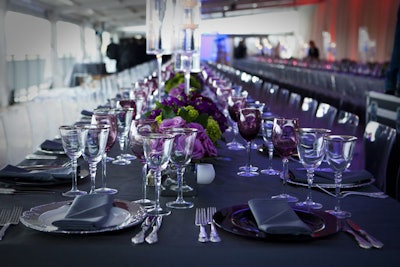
x: 178, y: 245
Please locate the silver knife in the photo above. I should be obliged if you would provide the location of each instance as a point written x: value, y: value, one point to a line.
x: 374, y: 242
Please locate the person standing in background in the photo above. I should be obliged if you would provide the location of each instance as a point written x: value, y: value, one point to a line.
x: 313, y: 51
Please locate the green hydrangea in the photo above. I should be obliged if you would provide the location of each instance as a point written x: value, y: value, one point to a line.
x: 213, y: 130
x: 189, y: 113
x: 159, y: 119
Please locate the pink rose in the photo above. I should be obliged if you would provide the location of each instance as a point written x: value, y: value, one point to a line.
x: 175, y: 122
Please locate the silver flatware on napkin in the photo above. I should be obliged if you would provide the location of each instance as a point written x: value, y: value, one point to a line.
x: 374, y: 242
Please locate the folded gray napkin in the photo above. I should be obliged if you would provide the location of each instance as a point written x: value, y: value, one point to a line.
x: 52, y: 145
x: 87, y: 212
x: 324, y: 175
x: 14, y: 173
x: 275, y: 216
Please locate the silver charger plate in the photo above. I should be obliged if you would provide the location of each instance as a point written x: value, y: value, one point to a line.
x: 51, y: 152
x: 124, y: 214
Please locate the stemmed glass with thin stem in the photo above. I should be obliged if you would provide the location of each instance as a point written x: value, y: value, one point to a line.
x: 129, y: 103
x: 235, y: 103
x: 70, y: 141
x: 138, y: 129
x: 181, y: 155
x: 285, y: 142
x: 260, y: 106
x: 157, y: 151
x: 159, y: 33
x: 311, y: 150
x: 124, y: 119
x: 249, y: 123
x: 267, y: 125
x: 93, y: 140
x: 339, y: 154
x: 188, y: 17
x: 107, y: 117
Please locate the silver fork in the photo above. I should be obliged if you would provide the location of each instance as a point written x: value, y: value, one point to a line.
x: 201, y: 220
x: 214, y: 237
x: 348, y: 193
x: 8, y: 217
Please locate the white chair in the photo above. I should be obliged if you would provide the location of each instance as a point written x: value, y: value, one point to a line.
x: 346, y: 123
x: 18, y: 133
x: 3, y: 145
x: 307, y: 112
x: 39, y: 123
x: 325, y: 116
x: 378, y: 144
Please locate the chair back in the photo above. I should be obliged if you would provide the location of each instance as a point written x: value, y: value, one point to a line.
x: 325, y: 116
x: 307, y: 112
x: 378, y: 143
x: 346, y: 123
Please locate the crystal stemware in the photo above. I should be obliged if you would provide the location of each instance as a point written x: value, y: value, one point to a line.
x: 138, y: 129
x: 311, y: 150
x: 124, y: 118
x: 235, y: 103
x: 181, y: 155
x: 71, y: 145
x: 266, y: 127
x: 285, y: 142
x: 107, y: 117
x: 157, y: 151
x: 339, y: 154
x: 249, y: 123
x: 134, y: 104
x: 93, y: 140
x: 188, y: 17
x: 159, y: 33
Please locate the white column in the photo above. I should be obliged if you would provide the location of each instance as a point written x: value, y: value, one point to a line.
x: 4, y: 90
x: 56, y: 68
x: 83, y: 42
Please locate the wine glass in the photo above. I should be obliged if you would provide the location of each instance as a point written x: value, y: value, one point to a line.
x: 124, y: 119
x: 311, y: 150
x: 339, y: 154
x: 157, y: 151
x: 138, y: 129
x: 266, y: 127
x: 93, y: 140
x: 235, y: 103
x: 134, y: 104
x: 181, y: 155
x: 71, y: 145
x: 260, y: 106
x: 107, y: 117
x: 285, y: 143
x: 249, y: 123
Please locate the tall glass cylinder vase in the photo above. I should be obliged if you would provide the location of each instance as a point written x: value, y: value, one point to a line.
x: 188, y: 14
x: 159, y: 33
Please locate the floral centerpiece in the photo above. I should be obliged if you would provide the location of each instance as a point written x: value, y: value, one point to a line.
x: 194, y: 111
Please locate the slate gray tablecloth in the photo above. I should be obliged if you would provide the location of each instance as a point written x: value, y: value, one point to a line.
x: 178, y: 245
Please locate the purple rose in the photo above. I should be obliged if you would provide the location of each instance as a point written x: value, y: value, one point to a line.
x: 195, y: 125
x: 175, y: 122
x: 198, y: 150
x: 209, y: 147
